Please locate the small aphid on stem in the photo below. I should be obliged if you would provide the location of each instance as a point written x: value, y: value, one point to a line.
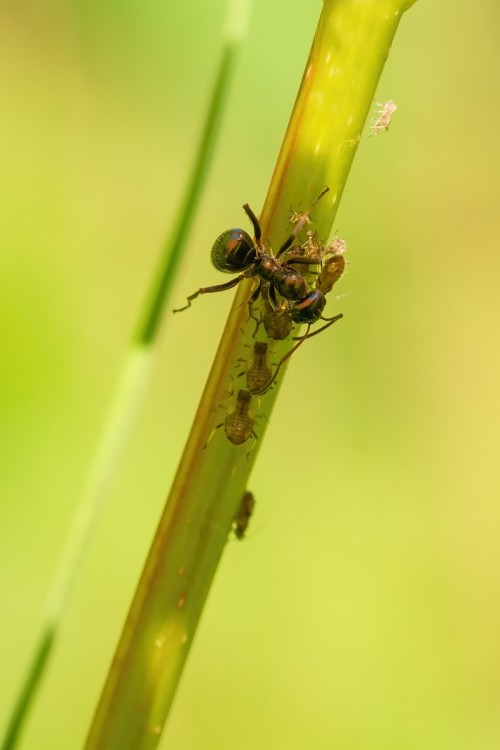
x: 239, y: 421
x: 338, y: 247
x: 302, y: 217
x: 312, y: 244
x: 243, y: 515
x: 333, y: 264
x: 384, y: 116
x: 234, y: 251
x: 294, y: 348
x: 259, y: 372
x: 277, y: 322
x: 333, y: 268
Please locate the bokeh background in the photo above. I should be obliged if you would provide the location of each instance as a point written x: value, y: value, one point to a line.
x: 363, y: 609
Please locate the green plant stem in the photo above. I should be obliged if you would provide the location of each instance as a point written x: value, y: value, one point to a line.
x: 132, y: 382
x: 350, y: 48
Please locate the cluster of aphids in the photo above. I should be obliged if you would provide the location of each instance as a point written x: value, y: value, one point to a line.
x: 292, y: 285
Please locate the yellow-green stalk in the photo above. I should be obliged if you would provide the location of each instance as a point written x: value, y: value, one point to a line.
x: 351, y: 45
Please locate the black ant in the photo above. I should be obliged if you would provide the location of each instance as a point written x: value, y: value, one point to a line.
x: 234, y: 251
x: 331, y: 270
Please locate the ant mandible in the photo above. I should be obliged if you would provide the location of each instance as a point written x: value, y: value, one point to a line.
x: 234, y: 251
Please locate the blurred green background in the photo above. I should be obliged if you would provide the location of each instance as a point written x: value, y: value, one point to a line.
x: 363, y: 609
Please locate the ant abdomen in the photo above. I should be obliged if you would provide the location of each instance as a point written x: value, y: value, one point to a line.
x: 309, y: 309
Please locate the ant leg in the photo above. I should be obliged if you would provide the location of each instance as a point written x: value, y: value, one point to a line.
x: 282, y: 362
x: 255, y: 223
x: 300, y: 340
x: 271, y: 298
x: 331, y: 321
x: 252, y: 299
x: 305, y: 216
x: 210, y: 289
x: 304, y: 259
x: 287, y: 243
x: 255, y: 438
x: 255, y: 295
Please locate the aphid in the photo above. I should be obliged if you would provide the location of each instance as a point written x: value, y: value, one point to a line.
x: 312, y: 245
x: 239, y: 421
x: 329, y: 256
x: 234, y: 251
x: 287, y: 356
x: 277, y: 321
x: 331, y: 271
x: 338, y: 247
x: 383, y: 119
x: 258, y: 372
x: 300, y: 218
x: 333, y: 267
x: 243, y: 515
x: 309, y: 253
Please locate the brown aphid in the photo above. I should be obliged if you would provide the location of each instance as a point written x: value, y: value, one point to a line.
x: 332, y: 270
x: 243, y: 515
x: 312, y: 246
x: 240, y: 420
x: 277, y: 322
x: 297, y: 217
x: 303, y: 218
x: 300, y: 340
x: 259, y: 372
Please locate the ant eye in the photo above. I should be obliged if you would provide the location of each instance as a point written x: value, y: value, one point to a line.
x: 233, y: 251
